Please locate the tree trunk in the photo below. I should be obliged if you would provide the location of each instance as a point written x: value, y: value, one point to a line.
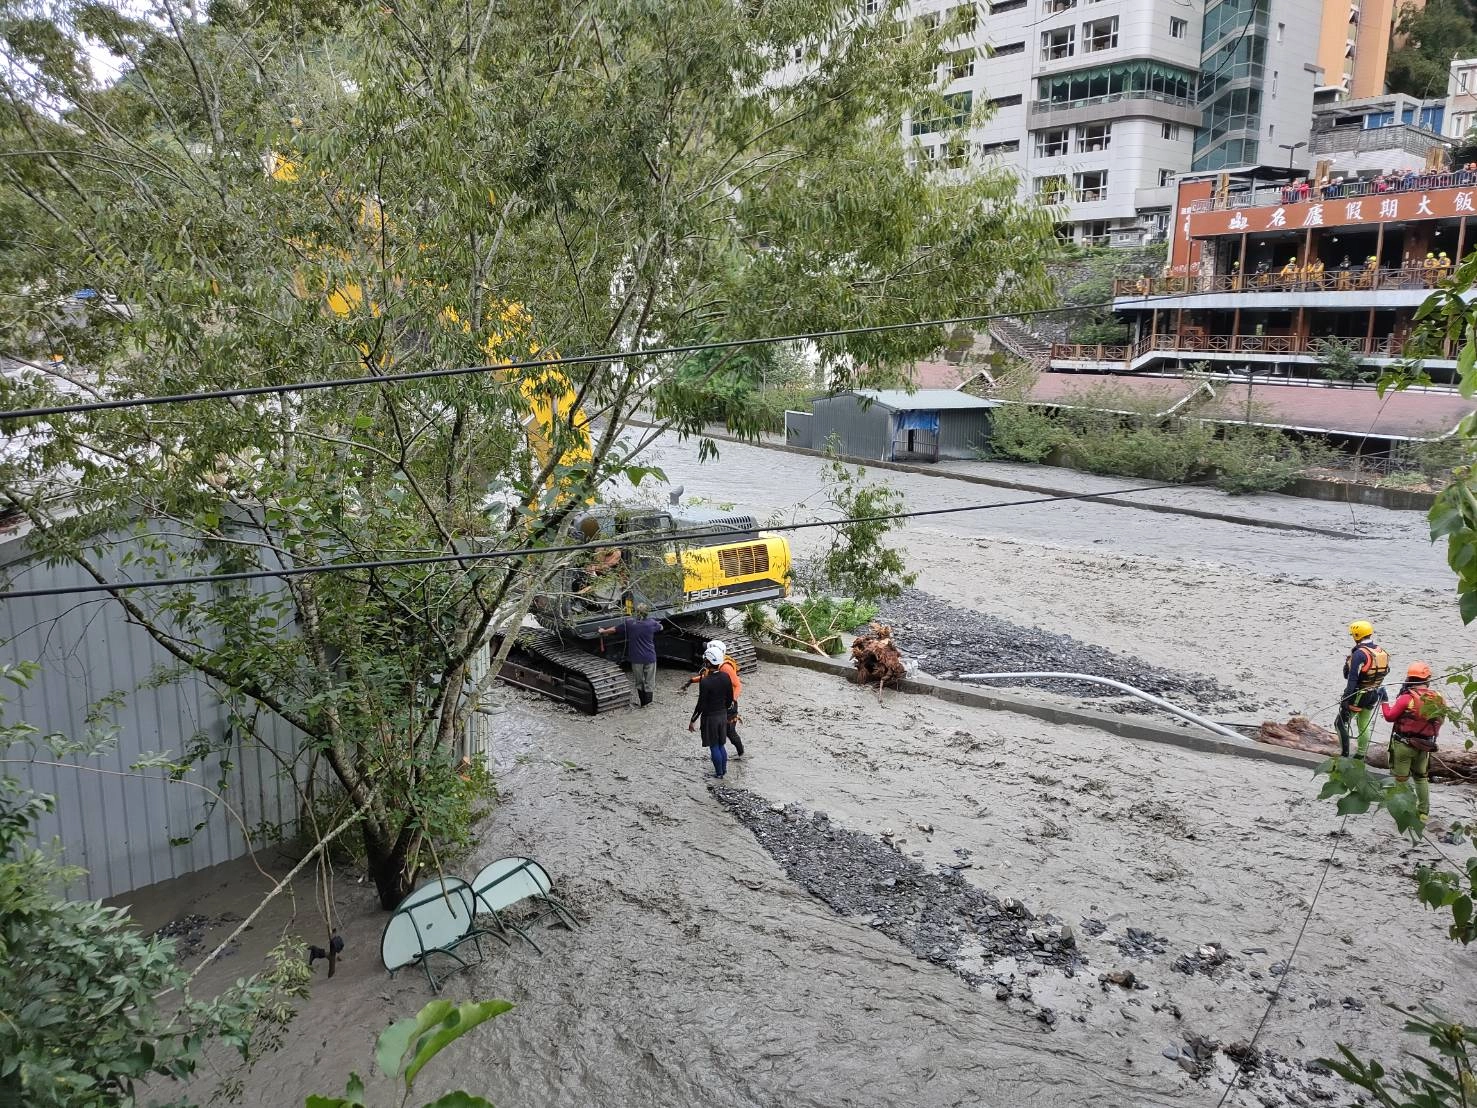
x: 389, y: 868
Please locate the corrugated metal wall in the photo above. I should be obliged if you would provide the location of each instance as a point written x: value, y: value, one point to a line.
x: 120, y: 826
x: 861, y: 433
x: 798, y: 429
x: 963, y: 432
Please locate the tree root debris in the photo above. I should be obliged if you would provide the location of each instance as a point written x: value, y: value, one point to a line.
x: 876, y: 656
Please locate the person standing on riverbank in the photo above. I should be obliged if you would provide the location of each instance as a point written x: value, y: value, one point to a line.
x: 730, y: 666
x: 1416, y: 713
x: 1364, y: 687
x: 714, y: 694
x: 640, y: 634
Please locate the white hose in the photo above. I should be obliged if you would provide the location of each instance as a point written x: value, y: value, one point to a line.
x: 1173, y: 709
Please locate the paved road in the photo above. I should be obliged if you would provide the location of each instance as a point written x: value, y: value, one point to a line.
x: 1385, y: 547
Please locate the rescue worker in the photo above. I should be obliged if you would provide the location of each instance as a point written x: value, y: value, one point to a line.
x: 714, y: 694
x: 731, y: 667
x: 1314, y: 273
x: 1290, y: 273
x: 1364, y: 674
x: 1416, y: 713
x: 1443, y: 266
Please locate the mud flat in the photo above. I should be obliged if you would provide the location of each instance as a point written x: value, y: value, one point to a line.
x: 717, y: 968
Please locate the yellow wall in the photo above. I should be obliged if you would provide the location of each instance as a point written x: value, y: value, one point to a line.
x: 1375, y: 32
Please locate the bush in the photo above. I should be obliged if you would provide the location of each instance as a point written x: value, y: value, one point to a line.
x: 1024, y: 433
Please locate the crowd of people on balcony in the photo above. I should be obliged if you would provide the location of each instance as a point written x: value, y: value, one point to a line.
x: 1303, y: 190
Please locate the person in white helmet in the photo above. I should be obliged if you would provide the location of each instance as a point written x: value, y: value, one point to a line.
x: 714, y: 694
x: 731, y: 667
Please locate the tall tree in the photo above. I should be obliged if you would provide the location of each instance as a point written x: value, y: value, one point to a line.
x: 451, y: 183
x: 1433, y: 35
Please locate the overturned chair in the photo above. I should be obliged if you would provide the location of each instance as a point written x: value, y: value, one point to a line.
x: 434, y: 919
x: 511, y: 881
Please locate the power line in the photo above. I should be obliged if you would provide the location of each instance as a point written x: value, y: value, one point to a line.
x: 1287, y: 967
x: 542, y: 363
x: 539, y: 551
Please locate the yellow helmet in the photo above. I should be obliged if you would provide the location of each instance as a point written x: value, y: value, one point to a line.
x: 1361, y: 629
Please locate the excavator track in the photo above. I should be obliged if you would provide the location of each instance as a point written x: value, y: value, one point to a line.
x: 683, y: 643
x: 541, y: 662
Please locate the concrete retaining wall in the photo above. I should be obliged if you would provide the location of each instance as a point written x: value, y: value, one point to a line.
x: 1128, y: 727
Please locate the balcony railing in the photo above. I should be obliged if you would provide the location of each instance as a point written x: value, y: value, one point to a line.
x: 1047, y: 106
x: 1125, y: 353
x: 1373, y: 140
x: 1359, y: 279
x: 1352, y: 190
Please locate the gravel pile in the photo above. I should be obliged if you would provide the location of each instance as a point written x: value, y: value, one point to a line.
x: 944, y: 640
x: 937, y: 915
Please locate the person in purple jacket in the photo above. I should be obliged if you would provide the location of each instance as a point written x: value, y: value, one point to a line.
x: 640, y: 634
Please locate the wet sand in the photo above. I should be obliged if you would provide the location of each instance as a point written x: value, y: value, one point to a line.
x: 704, y: 975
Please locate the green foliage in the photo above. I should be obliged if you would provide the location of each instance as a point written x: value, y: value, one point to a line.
x: 1446, y: 1076
x: 1440, y: 1079
x: 583, y: 178
x: 857, y: 562
x: 1113, y: 431
x: 817, y: 623
x: 1433, y: 34
x: 1338, y: 360
x: 405, y: 1047
x: 82, y: 1021
x: 1025, y: 433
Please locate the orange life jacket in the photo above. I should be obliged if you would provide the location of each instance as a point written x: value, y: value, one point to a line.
x: 1374, y: 668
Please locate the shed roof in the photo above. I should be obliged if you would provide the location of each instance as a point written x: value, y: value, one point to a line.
x: 924, y: 400
x: 1420, y: 414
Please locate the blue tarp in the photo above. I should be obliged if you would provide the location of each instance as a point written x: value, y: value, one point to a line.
x: 918, y: 421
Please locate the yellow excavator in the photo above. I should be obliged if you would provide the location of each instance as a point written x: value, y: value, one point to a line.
x: 684, y: 581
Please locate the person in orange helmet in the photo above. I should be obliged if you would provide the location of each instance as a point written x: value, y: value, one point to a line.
x: 1417, y: 714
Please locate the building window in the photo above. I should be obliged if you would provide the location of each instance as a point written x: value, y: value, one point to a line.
x: 1100, y: 34
x: 1055, y: 6
x: 1004, y: 102
x: 1171, y: 131
x: 1178, y: 28
x: 1280, y: 28
x: 965, y: 19
x: 1057, y: 44
x: 990, y: 149
x: 1007, y: 6
x: 1091, y: 186
x: 1095, y: 233
x: 1051, y: 143
x: 1008, y: 48
x: 957, y: 108
x: 1051, y: 190
x: 871, y: 7
x: 959, y: 66
x: 797, y: 54
x: 1166, y: 177
x: 1274, y: 82
x: 1093, y: 137
x: 954, y: 155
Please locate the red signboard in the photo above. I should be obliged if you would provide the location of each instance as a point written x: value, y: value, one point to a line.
x: 1374, y: 209
x: 1183, y: 251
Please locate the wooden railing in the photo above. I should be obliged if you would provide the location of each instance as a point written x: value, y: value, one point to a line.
x: 1354, y: 279
x: 1385, y: 346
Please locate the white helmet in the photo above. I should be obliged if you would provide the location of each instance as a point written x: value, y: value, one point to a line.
x: 714, y: 654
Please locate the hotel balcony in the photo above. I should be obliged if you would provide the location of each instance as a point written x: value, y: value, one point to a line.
x: 1158, y: 351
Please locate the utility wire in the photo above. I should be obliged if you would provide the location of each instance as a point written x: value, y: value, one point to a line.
x: 538, y: 551
x: 1287, y: 966
x: 542, y: 363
